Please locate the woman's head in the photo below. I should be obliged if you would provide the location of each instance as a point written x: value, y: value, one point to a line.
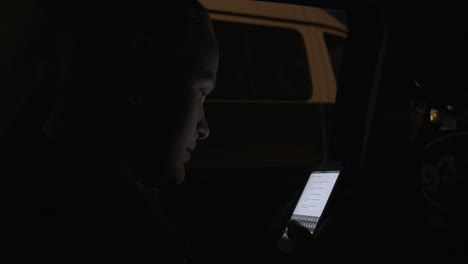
x: 133, y: 91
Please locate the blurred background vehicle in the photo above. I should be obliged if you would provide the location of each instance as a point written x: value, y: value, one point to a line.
x: 276, y: 88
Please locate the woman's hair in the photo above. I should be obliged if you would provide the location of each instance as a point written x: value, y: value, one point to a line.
x: 107, y: 50
x: 96, y: 48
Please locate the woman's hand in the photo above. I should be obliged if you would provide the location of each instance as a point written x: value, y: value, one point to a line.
x: 306, y: 247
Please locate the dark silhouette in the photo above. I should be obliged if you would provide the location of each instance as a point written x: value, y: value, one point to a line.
x: 124, y: 93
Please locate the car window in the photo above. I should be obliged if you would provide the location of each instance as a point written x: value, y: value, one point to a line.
x: 261, y: 63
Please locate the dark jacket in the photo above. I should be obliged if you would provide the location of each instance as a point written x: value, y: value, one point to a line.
x: 60, y: 211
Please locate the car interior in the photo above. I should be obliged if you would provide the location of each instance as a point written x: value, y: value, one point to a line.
x: 402, y: 195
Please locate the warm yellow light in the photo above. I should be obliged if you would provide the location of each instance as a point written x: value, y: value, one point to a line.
x: 449, y: 107
x: 434, y: 115
x: 417, y: 84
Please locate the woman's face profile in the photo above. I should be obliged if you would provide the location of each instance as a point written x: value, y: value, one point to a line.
x: 192, y: 76
x: 156, y: 132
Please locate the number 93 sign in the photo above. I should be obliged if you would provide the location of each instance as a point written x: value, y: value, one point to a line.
x: 444, y: 172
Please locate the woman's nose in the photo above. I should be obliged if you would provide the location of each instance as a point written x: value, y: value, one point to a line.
x: 203, y: 130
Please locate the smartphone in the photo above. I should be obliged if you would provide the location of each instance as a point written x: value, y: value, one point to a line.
x: 309, y: 208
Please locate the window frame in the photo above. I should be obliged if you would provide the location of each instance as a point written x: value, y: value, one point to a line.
x: 312, y: 50
x: 331, y: 84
